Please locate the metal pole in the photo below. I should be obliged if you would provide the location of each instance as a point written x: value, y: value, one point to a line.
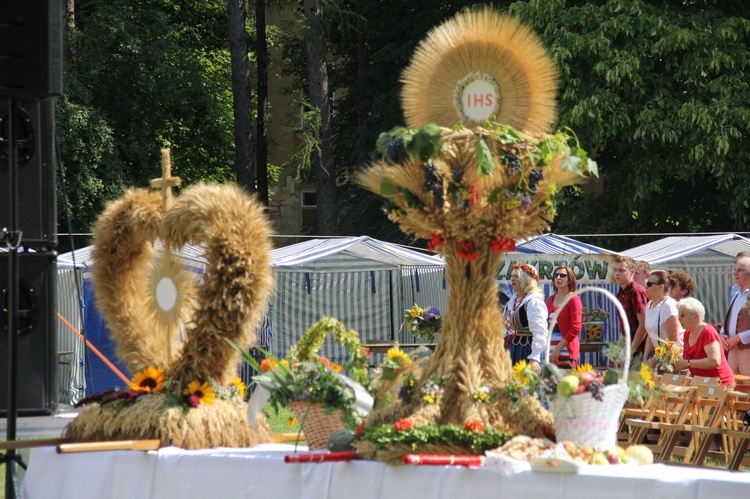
x: 12, y: 241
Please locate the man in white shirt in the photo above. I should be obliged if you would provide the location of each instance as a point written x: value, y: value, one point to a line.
x: 735, y: 334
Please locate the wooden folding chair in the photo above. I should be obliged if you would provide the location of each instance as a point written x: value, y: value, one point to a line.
x: 739, y: 435
x: 704, y: 421
x: 672, y: 405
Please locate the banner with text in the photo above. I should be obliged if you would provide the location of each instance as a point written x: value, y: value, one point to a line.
x: 588, y: 269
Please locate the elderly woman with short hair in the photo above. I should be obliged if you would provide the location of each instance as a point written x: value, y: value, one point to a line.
x: 702, y: 353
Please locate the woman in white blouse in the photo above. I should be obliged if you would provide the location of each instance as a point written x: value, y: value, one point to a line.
x: 662, y: 318
x: 527, y: 317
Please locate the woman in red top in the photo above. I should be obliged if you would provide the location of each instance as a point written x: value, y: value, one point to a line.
x: 702, y: 352
x: 564, y: 341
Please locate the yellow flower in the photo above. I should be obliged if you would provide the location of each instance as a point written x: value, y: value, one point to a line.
x: 236, y: 381
x: 291, y: 421
x: 584, y: 368
x: 204, y: 392
x: 416, y: 312
x: 659, y: 351
x: 430, y: 397
x: 399, y: 357
x: 336, y: 367
x: 284, y: 362
x: 522, y: 372
x: 150, y: 379
x: 646, y: 375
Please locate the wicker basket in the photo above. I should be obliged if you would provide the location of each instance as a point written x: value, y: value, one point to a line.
x: 583, y: 419
x: 316, y: 424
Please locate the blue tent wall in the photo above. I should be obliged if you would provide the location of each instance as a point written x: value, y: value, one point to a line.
x: 99, y: 376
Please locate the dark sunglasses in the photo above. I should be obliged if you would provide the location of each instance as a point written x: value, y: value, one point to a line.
x: 649, y: 284
x: 561, y: 276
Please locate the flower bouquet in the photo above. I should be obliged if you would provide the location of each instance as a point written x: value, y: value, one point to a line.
x: 596, y: 314
x: 323, y: 399
x: 423, y: 323
x: 667, y: 353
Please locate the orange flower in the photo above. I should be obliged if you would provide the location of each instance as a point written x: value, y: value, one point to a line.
x: 268, y: 364
x: 324, y: 360
x: 474, y: 425
x: 360, y: 430
x: 336, y: 367
x: 403, y: 424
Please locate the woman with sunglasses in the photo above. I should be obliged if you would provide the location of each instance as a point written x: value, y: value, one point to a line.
x: 703, y: 354
x: 565, y: 341
x: 662, y: 322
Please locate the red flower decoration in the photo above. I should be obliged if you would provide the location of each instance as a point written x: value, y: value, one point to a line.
x: 467, y: 251
x: 367, y: 352
x: 435, y: 241
x: 360, y: 430
x: 403, y: 424
x: 474, y: 425
x: 499, y: 244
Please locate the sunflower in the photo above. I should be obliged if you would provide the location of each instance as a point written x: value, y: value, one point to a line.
x: 416, y: 312
x: 399, y: 357
x: 523, y: 372
x: 236, y: 381
x: 646, y: 375
x: 584, y: 368
x: 150, y: 379
x: 659, y: 351
x: 204, y: 392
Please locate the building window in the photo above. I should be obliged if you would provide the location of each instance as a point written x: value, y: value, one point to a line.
x: 309, y: 199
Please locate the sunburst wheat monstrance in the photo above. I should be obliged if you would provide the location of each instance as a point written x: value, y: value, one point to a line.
x: 471, y: 186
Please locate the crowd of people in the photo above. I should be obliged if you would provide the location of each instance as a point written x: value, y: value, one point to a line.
x: 659, y: 310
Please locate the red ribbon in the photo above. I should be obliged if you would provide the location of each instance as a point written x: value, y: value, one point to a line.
x: 443, y: 459
x: 322, y: 457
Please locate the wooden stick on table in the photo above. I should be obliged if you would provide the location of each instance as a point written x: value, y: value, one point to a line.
x: 114, y: 445
x: 27, y: 444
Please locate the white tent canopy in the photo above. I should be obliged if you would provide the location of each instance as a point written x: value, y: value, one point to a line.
x: 708, y: 259
x: 365, y: 283
x: 554, y: 244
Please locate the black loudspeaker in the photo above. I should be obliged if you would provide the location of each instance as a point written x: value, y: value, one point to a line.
x: 31, y: 48
x: 36, y: 203
x: 37, y: 392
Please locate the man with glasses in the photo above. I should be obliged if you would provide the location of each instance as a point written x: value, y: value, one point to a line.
x: 632, y: 296
x: 735, y: 334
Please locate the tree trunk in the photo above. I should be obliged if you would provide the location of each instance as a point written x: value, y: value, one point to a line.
x: 317, y: 72
x: 243, y: 131
x: 261, y: 132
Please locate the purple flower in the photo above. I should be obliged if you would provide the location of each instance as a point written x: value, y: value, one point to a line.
x: 431, y: 314
x: 524, y: 203
x: 304, y: 393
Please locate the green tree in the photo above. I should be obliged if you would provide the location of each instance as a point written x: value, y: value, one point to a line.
x: 658, y: 92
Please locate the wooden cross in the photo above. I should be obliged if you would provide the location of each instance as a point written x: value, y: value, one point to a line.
x: 167, y: 181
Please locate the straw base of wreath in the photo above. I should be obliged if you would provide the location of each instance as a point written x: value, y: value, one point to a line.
x: 394, y: 453
x: 221, y: 424
x: 318, y: 425
x: 586, y: 421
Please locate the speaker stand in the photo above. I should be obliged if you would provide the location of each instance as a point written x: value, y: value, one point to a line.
x: 12, y: 239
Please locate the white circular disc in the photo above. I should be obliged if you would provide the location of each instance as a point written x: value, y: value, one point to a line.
x: 166, y: 294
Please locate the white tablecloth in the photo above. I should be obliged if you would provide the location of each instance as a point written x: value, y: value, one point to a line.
x: 261, y: 473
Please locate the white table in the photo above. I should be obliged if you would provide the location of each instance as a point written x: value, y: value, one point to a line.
x: 261, y: 473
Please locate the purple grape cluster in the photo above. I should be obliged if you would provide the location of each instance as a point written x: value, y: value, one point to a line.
x: 597, y: 389
x: 512, y: 164
x: 549, y: 385
x: 433, y: 183
x: 535, y: 176
x: 396, y: 151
